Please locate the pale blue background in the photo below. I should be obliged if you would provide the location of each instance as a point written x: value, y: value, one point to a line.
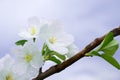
x: 85, y: 19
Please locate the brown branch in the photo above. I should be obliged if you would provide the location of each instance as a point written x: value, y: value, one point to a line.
x: 67, y: 63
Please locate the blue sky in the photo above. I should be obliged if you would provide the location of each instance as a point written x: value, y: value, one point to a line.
x: 85, y: 19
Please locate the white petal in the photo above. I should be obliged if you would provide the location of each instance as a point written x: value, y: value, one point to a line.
x: 51, y: 29
x: 18, y: 51
x: 2, y: 76
x: 1, y: 66
x: 55, y: 28
x: 7, y: 61
x: 73, y: 49
x: 20, y: 68
x: 44, y: 31
x: 64, y: 40
x: 61, y: 50
x: 25, y: 35
x: 23, y: 77
x: 37, y: 61
x: 32, y: 72
x: 30, y: 46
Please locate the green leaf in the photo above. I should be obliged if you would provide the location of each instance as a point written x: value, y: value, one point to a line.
x: 21, y: 42
x: 54, y: 59
x: 108, y: 48
x: 92, y: 53
x: 44, y: 49
x: 111, y: 48
x: 111, y: 60
x: 108, y: 38
x: 58, y: 55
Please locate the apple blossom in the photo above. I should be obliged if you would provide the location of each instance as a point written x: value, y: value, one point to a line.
x: 56, y: 39
x: 29, y: 59
x: 33, y: 30
x: 6, y: 71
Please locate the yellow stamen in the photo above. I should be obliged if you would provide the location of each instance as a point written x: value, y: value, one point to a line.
x: 9, y: 77
x: 28, y: 57
x: 52, y: 40
x: 33, y: 30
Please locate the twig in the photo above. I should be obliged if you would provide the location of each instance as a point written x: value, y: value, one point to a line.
x: 57, y: 68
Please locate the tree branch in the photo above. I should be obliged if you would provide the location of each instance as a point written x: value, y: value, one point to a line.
x: 57, y: 68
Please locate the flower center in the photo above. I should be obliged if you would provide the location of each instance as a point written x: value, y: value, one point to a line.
x: 8, y: 77
x: 33, y: 30
x: 52, y: 40
x: 28, y: 57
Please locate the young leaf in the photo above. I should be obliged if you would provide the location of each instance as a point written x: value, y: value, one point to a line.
x: 111, y: 60
x: 54, y: 59
x: 107, y: 40
x: 111, y: 48
x: 44, y: 49
x: 21, y: 42
x: 92, y: 53
x: 58, y: 55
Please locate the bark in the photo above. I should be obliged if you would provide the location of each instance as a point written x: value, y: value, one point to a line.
x: 57, y: 68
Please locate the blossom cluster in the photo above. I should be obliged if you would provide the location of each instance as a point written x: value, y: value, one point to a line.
x: 28, y: 58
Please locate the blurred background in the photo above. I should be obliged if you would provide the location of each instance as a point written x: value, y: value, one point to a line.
x: 84, y: 19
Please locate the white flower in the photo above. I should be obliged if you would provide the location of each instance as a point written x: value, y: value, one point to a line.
x: 6, y: 72
x: 33, y: 30
x: 29, y: 59
x: 72, y: 50
x: 55, y: 37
